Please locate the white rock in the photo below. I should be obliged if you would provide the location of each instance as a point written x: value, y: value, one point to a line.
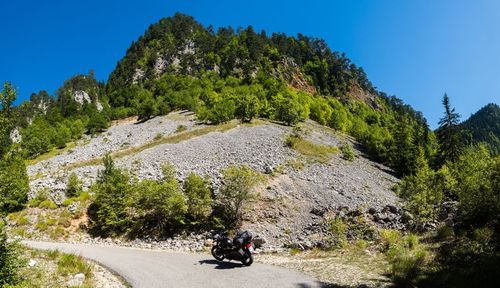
x: 32, y: 263
x: 79, y: 276
x: 81, y: 97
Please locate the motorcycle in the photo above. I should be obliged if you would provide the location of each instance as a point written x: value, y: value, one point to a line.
x: 240, y: 248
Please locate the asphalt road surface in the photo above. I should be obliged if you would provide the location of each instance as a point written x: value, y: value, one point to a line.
x: 154, y: 268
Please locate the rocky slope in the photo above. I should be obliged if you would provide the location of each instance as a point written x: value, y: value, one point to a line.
x: 297, y: 192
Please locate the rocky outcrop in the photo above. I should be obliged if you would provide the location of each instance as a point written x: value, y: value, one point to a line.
x: 15, y: 135
x: 290, y: 72
x: 82, y: 97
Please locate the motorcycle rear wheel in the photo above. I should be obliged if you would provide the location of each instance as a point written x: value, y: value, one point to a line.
x: 217, y: 253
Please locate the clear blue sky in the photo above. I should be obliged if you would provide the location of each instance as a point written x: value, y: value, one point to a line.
x: 416, y: 50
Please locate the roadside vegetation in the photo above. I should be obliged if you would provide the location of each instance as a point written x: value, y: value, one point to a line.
x: 126, y: 207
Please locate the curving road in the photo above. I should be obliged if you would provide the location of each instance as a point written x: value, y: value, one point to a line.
x: 153, y: 268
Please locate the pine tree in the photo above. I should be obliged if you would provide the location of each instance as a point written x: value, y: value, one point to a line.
x: 449, y: 133
x: 7, y: 97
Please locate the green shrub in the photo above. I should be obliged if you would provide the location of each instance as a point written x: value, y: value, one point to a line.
x: 168, y: 171
x: 9, y: 259
x: 22, y: 221
x: 347, y: 152
x: 67, y: 202
x: 390, y: 239
x: 444, y: 232
x: 61, y: 136
x: 337, y: 232
x: 14, y: 184
x: 107, y: 213
x: 407, y: 267
x: 74, y: 186
x: 159, y: 207
x: 199, y: 197
x: 97, y: 123
x: 84, y: 196
x: 247, y: 107
x: 234, y: 194
x: 287, y: 108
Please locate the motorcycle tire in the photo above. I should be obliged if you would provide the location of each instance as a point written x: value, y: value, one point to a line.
x: 216, y: 253
x: 248, y: 261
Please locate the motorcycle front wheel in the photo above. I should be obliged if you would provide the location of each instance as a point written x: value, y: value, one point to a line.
x: 248, y: 261
x: 217, y: 253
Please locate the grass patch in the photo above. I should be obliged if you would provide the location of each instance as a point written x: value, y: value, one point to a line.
x: 317, y: 152
x: 181, y: 128
x: 69, y: 264
x: 47, y: 204
x: 52, y: 153
x: 52, y: 269
x: 171, y: 139
x: 295, y: 164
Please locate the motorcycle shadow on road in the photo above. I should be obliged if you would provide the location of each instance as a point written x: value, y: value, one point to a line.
x: 221, y: 264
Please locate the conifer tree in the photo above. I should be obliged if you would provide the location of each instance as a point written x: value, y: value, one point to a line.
x: 449, y: 133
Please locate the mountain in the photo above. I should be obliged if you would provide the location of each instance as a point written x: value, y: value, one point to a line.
x: 182, y: 46
x: 484, y: 126
x: 226, y: 74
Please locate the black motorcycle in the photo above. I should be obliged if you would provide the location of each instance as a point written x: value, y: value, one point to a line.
x: 240, y: 248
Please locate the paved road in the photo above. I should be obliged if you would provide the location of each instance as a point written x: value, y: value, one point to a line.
x: 151, y: 268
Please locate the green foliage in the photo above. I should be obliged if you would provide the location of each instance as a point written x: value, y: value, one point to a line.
x: 9, y: 259
x: 14, y: 183
x: 321, y: 111
x: 40, y: 196
x: 97, y: 123
x: 407, y: 267
x: 449, y: 134
x: 231, y: 200
x: 107, y: 213
x: 74, y: 186
x: 199, y: 197
x: 7, y: 116
x: 160, y: 207
x: 147, y: 207
x: 168, y: 171
x: 337, y: 231
x: 472, y: 253
x: 146, y: 106
x: 347, y: 152
x: 287, y: 108
x: 408, y: 259
x: 424, y: 191
x: 247, y: 107
x: 484, y: 126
